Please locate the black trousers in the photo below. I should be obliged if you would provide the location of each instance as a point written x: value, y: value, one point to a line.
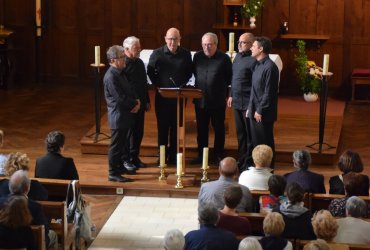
x: 263, y: 133
x: 243, y: 133
x: 116, y: 151
x: 135, y: 137
x: 217, y: 118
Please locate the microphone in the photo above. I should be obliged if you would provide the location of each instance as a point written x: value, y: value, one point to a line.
x: 173, y: 82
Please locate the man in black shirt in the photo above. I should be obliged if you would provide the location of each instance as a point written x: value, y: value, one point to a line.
x: 136, y: 76
x: 212, y: 71
x: 262, y: 109
x: 241, y: 84
x: 169, y: 67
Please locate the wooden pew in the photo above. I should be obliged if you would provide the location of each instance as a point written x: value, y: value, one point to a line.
x: 39, y: 235
x: 256, y: 220
x: 57, y: 189
x: 301, y: 243
x: 322, y: 201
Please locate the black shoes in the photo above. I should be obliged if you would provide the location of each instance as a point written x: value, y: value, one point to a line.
x: 118, y: 178
x: 138, y: 163
x: 127, y: 168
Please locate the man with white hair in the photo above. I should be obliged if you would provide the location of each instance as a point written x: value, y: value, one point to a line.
x: 136, y: 76
x: 174, y: 240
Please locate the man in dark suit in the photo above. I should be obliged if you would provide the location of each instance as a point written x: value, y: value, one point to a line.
x: 54, y: 165
x: 262, y: 108
x: 122, y: 104
x: 309, y: 181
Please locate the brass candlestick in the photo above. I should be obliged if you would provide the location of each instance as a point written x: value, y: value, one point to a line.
x: 231, y: 54
x: 162, y: 176
x: 179, y: 182
x: 205, y: 175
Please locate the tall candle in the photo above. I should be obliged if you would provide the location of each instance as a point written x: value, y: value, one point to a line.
x: 231, y: 41
x: 205, y: 158
x: 162, y: 155
x: 179, y: 164
x: 38, y: 17
x: 97, y: 55
x: 325, y: 67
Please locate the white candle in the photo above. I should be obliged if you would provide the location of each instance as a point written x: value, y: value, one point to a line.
x: 205, y: 158
x: 97, y: 55
x: 231, y: 41
x: 38, y: 17
x: 325, y: 67
x: 162, y: 155
x: 179, y: 164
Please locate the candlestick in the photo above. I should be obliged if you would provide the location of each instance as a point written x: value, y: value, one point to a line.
x: 162, y: 155
x: 205, y: 158
x: 325, y: 67
x: 231, y: 41
x: 97, y: 55
x: 179, y: 164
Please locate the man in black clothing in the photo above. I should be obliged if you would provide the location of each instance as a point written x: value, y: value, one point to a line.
x: 136, y: 76
x: 122, y: 106
x: 241, y: 84
x: 169, y: 67
x: 262, y: 108
x: 212, y: 71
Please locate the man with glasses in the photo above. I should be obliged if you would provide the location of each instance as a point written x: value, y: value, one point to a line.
x: 169, y: 66
x: 122, y: 104
x: 241, y: 84
x: 212, y: 71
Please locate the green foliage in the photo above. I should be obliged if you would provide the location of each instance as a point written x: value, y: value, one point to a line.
x: 252, y: 8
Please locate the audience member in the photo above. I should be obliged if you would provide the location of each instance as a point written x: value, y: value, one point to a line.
x: 310, y: 182
x: 256, y: 178
x: 297, y: 218
x: 352, y: 229
x: 213, y: 191
x: 3, y: 157
x: 318, y: 244
x: 15, y: 221
x: 273, y: 227
x: 174, y: 240
x: 249, y: 243
x: 229, y: 218
x: 54, y: 165
x: 349, y: 161
x: 209, y: 236
x: 276, y: 197
x: 169, y: 66
x: 353, y: 183
x: 19, y: 185
x: 18, y: 161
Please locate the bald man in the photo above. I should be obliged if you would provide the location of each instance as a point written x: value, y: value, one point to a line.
x: 241, y: 84
x: 214, y: 191
x: 169, y: 66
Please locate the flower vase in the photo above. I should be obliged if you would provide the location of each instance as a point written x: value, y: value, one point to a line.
x: 310, y: 97
x: 252, y: 21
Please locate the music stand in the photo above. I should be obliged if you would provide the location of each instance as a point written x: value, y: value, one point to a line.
x: 179, y: 93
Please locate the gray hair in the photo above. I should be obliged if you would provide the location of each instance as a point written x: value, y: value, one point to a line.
x: 208, y: 214
x: 212, y: 35
x: 114, y: 52
x: 249, y: 243
x: 302, y: 159
x: 19, y: 182
x: 129, y: 41
x: 174, y: 240
x: 356, y: 207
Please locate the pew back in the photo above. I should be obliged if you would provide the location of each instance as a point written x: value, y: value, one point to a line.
x: 39, y: 235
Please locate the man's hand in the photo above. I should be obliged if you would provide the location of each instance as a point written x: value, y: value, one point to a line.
x: 229, y: 101
x: 258, y: 117
x: 136, y: 108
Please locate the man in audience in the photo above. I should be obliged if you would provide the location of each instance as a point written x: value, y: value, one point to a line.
x: 169, y: 66
x: 241, y: 84
x: 136, y: 76
x: 209, y: 236
x: 352, y: 229
x: 309, y: 181
x: 19, y: 184
x: 174, y: 240
x: 213, y: 191
x: 123, y: 104
x: 262, y: 108
x: 54, y: 165
x: 212, y: 71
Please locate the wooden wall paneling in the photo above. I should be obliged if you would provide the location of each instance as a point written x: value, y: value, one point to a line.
x: 275, y: 12
x: 302, y: 16
x: 121, y: 19
x: 146, y: 23
x: 330, y: 19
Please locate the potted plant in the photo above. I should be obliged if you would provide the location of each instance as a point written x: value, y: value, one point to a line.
x: 309, y: 75
x: 251, y: 9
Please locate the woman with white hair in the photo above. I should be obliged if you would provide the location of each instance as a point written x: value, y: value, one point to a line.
x: 249, y: 243
x: 174, y: 240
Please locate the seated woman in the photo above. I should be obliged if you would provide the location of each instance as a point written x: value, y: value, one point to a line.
x: 256, y: 178
x: 54, y: 165
x: 297, y: 218
x: 249, y: 243
x: 349, y: 161
x: 273, y: 227
x: 19, y: 161
x: 15, y: 220
x: 353, y: 185
x: 277, y: 186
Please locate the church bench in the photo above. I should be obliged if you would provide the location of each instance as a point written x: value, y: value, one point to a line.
x: 57, y: 188
x: 39, y: 235
x: 301, y: 243
x: 359, y: 77
x: 256, y: 221
x: 322, y: 201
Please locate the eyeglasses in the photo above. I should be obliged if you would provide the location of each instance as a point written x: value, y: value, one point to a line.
x: 172, y: 38
x: 242, y: 42
x: 208, y: 45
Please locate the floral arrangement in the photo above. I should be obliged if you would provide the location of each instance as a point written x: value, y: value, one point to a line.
x: 309, y: 74
x: 252, y: 8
